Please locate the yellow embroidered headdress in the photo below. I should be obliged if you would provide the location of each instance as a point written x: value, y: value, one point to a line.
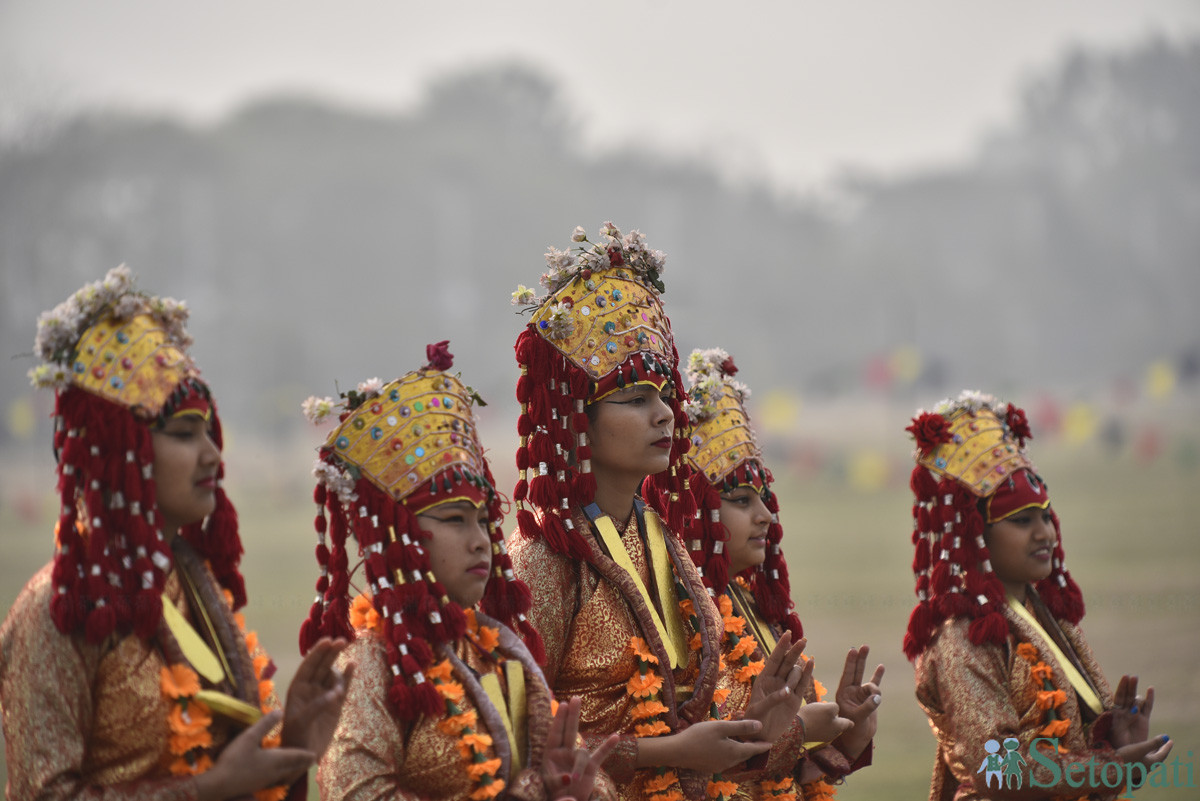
x: 600, y: 328
x: 724, y: 456
x: 971, y: 470
x: 117, y: 360
x: 398, y: 449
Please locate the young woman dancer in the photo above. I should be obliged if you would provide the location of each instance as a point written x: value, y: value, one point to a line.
x: 627, y: 623
x: 1000, y: 658
x: 125, y: 672
x: 447, y: 702
x: 735, y: 540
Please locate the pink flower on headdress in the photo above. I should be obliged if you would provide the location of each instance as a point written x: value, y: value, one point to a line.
x: 1018, y: 424
x: 728, y: 367
x: 929, y: 430
x: 439, y: 355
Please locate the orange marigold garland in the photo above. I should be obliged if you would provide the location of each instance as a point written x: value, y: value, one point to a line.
x: 472, y: 743
x: 1048, y: 698
x: 190, y: 720
x: 646, y: 688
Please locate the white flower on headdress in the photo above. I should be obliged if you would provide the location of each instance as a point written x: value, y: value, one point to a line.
x: 49, y: 376
x: 595, y: 259
x: 117, y: 282
x: 55, y: 335
x: 370, y: 387
x: 336, y: 480
x: 975, y: 400
x: 579, y: 235
x: 608, y: 229
x: 971, y: 400
x: 739, y: 389
x: 634, y: 243
x: 560, y: 263
x: 173, y: 315
x: 559, y: 324
x: 559, y: 259
x: 704, y: 363
x: 317, y: 409
x: 657, y: 260
x: 128, y: 306
x: 707, y: 390
x: 523, y: 296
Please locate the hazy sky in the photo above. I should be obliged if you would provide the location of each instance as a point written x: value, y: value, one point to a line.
x: 796, y: 90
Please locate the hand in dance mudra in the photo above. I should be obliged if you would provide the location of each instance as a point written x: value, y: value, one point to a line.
x: 1131, y: 725
x: 569, y: 771
x: 859, y: 701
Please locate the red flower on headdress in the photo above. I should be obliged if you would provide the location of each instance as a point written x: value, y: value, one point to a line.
x: 615, y: 257
x: 439, y: 355
x: 1018, y: 424
x: 929, y: 430
x: 728, y: 367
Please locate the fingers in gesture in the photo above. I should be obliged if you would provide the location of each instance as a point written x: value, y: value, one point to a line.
x: 315, y: 698
x: 779, y: 689
x: 568, y: 771
x: 855, y: 698
x: 1131, y: 713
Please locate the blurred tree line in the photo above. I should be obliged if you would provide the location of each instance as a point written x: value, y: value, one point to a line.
x: 316, y: 242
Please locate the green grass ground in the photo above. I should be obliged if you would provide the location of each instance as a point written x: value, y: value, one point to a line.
x: 1130, y: 533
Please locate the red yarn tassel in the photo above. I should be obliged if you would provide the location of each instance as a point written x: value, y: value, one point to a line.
x: 101, y: 622
x: 920, y: 629
x: 991, y: 628
x: 533, y: 641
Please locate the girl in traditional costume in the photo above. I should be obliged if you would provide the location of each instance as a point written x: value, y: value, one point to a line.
x: 735, y: 540
x: 447, y: 701
x: 125, y: 670
x: 1000, y: 658
x: 627, y: 623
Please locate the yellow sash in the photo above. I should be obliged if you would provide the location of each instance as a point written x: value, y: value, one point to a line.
x: 1082, y: 688
x: 748, y: 611
x: 514, y: 714
x: 208, y: 665
x: 670, y: 631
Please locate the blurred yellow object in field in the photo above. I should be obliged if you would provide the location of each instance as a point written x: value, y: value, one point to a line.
x: 1080, y: 423
x: 1160, y: 380
x: 21, y: 419
x: 780, y: 412
x: 868, y: 471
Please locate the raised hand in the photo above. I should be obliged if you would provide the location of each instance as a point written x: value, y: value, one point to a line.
x: 315, y: 697
x: 568, y: 770
x: 244, y: 766
x: 1131, y: 713
x: 779, y: 689
x: 858, y: 701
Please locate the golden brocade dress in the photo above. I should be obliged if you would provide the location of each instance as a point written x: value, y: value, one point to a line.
x: 89, y: 722
x: 587, y: 614
x: 375, y: 757
x: 975, y: 693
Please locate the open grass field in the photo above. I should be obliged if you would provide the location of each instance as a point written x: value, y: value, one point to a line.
x: 1131, y: 535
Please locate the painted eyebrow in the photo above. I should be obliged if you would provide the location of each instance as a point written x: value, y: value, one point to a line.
x: 456, y: 506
